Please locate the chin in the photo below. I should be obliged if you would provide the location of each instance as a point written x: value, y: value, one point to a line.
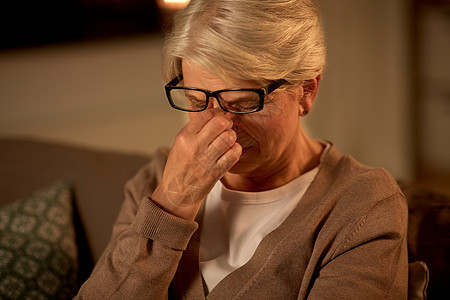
x: 244, y: 164
x: 236, y: 169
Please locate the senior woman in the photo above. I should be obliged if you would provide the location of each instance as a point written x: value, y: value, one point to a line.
x: 245, y: 205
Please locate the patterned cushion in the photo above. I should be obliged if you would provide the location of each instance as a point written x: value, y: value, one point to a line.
x: 38, y: 252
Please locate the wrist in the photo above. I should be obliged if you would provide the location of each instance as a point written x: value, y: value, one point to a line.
x: 162, y: 200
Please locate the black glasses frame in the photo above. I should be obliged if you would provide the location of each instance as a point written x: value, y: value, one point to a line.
x: 262, y: 92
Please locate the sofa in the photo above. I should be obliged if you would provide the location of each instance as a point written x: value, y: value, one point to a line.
x: 87, y: 190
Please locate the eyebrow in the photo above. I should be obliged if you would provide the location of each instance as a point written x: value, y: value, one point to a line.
x: 238, y: 98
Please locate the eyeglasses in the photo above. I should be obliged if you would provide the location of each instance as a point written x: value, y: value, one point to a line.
x: 238, y: 101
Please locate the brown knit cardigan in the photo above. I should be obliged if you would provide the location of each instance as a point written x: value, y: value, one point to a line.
x: 346, y: 239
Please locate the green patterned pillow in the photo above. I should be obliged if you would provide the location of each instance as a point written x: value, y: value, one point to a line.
x: 38, y: 251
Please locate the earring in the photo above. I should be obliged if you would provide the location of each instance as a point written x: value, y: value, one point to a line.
x: 303, y: 113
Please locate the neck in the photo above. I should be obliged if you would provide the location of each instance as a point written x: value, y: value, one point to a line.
x: 297, y: 159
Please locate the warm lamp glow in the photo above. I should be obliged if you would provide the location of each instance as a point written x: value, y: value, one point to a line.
x: 176, y: 1
x: 172, y: 4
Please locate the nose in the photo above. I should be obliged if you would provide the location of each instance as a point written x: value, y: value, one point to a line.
x: 214, y: 102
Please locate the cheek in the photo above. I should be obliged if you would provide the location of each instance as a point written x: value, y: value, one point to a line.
x: 269, y: 128
x: 278, y: 128
x: 266, y: 130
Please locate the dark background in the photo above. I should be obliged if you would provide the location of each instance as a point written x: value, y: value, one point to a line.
x: 31, y: 22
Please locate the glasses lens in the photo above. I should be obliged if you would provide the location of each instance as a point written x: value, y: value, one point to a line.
x: 240, y: 101
x: 188, y: 99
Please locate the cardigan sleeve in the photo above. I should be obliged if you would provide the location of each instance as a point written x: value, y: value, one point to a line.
x: 142, y: 256
x: 372, y: 262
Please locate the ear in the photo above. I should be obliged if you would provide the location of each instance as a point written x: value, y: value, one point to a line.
x: 308, y: 95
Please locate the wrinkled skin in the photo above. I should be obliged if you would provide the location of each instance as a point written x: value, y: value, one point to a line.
x: 202, y: 152
x: 251, y: 152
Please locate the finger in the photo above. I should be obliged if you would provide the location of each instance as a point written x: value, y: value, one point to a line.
x: 229, y: 159
x: 199, y: 119
x: 213, y: 129
x: 220, y: 145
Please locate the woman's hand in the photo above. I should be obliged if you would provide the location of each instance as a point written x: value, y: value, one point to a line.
x: 203, y: 151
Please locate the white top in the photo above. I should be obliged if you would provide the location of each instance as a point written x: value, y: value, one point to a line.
x: 235, y: 223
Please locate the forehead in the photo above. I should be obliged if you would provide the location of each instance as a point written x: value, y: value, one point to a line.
x: 196, y: 76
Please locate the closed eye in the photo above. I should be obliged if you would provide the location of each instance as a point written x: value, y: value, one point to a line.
x: 195, y: 101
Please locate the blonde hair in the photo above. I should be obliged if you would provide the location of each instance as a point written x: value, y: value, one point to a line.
x: 261, y: 40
